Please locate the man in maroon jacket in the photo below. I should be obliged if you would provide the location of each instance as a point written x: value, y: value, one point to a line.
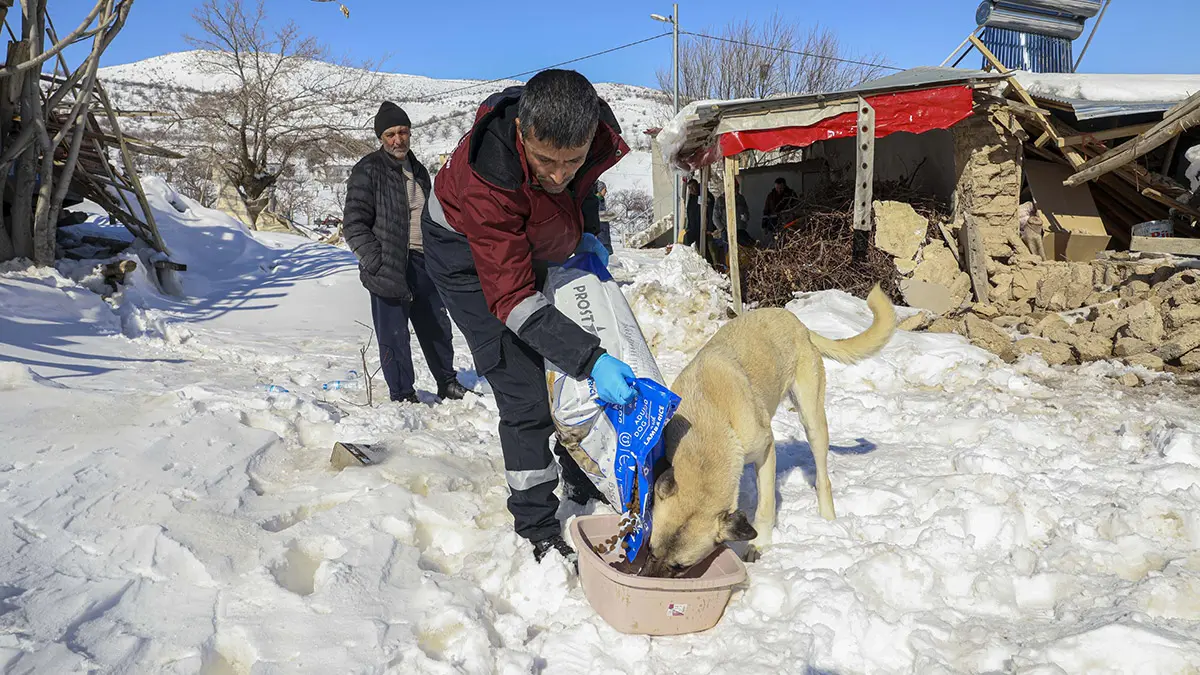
x: 509, y: 203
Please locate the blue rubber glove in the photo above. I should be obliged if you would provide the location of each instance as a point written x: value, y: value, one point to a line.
x: 614, y: 381
x: 590, y: 244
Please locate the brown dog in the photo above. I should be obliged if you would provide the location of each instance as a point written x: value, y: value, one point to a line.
x: 730, y: 392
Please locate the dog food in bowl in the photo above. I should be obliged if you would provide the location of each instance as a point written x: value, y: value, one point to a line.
x: 652, y: 605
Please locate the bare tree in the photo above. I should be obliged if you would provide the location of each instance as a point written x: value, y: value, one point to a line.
x: 746, y: 59
x: 290, y: 194
x: 631, y: 211
x: 280, y: 101
x: 191, y: 176
x: 760, y: 60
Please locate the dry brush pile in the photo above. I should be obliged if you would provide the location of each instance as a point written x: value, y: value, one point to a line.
x: 815, y: 252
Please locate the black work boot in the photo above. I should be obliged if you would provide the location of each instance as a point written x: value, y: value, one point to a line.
x: 558, y: 544
x: 452, y: 390
x: 407, y: 398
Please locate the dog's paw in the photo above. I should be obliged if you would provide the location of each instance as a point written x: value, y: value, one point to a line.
x: 752, y: 554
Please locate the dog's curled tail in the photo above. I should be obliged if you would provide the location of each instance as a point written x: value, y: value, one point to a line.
x: 866, y: 343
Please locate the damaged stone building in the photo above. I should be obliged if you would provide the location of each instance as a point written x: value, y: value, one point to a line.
x: 1024, y: 234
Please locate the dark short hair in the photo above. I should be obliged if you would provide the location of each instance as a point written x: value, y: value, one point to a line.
x: 559, y: 107
x: 780, y: 181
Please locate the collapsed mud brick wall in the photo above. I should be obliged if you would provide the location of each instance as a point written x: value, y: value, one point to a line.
x: 988, y: 164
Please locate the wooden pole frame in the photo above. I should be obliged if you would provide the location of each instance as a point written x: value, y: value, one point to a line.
x: 864, y: 179
x: 704, y: 177
x: 735, y: 277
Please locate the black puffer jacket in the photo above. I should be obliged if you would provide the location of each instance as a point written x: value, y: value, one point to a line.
x: 376, y: 221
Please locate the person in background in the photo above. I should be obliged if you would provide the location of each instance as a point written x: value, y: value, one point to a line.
x: 691, y: 233
x: 779, y: 200
x: 717, y: 248
x: 602, y: 225
x: 385, y: 196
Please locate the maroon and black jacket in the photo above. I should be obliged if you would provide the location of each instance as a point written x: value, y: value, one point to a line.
x: 514, y: 229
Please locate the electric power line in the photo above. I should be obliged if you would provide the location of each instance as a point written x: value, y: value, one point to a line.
x: 789, y: 51
x: 538, y: 70
x: 633, y: 44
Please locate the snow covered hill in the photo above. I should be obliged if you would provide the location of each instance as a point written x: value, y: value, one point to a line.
x: 441, y: 110
x: 165, y: 508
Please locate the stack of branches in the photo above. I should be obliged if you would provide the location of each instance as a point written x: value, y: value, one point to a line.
x: 814, y: 251
x: 43, y: 126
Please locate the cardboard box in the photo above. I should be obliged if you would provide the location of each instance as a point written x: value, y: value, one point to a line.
x: 1073, y: 246
x: 1070, y: 213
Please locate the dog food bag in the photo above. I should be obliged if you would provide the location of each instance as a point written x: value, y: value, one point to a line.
x: 615, y: 446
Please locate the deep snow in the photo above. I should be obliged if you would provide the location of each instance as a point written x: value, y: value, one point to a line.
x: 164, y: 513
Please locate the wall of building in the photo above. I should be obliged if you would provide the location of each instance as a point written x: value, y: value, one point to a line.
x: 988, y: 189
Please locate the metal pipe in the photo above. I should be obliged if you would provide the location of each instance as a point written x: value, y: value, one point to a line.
x: 1095, y: 27
x: 675, y: 102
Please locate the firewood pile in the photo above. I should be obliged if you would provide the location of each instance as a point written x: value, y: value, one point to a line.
x: 813, y: 252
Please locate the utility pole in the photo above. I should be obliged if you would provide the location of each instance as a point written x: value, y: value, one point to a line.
x: 674, y: 21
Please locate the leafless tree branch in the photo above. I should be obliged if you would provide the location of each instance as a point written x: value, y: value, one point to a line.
x: 281, y: 97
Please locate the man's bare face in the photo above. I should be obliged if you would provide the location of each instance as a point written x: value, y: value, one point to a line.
x: 553, y: 168
x: 396, y: 141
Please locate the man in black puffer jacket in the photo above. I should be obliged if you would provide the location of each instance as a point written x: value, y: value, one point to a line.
x: 385, y: 196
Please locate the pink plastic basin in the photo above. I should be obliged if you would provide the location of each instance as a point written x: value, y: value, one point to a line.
x: 650, y: 605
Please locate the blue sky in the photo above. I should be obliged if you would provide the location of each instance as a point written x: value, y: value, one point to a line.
x: 478, y: 39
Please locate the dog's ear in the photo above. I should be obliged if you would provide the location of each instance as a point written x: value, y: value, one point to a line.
x: 665, y: 486
x: 737, y: 528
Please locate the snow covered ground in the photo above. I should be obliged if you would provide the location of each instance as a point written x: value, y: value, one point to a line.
x: 162, y: 512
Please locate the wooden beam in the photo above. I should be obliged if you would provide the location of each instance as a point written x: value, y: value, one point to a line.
x: 1072, y: 156
x: 1167, y: 201
x: 950, y: 242
x: 1133, y: 173
x: 683, y: 202
x: 991, y: 59
x: 704, y: 172
x: 1108, y: 135
x: 735, y: 278
x: 1173, y: 245
x: 973, y: 249
x: 132, y: 173
x: 1166, y: 170
x: 1018, y: 108
x: 1178, y: 120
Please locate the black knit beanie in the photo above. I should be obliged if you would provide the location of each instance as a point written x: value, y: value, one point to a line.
x: 390, y: 115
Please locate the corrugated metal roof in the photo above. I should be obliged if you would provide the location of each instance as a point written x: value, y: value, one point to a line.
x: 1090, y: 110
x: 929, y: 75
x: 1094, y: 110
x: 1099, y: 95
